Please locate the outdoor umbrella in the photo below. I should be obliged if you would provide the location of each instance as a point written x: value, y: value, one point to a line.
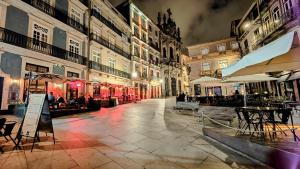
x: 279, y: 55
x: 249, y: 79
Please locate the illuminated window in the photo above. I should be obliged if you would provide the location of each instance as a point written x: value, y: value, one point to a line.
x: 36, y: 68
x: 204, y: 51
x: 223, y: 64
x: 234, y: 45
x: 72, y: 74
x: 221, y: 48
x: 96, y: 56
x: 206, y: 66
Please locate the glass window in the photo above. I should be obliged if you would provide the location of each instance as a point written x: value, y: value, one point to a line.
x: 125, y: 67
x: 234, y: 45
x: 36, y: 68
x: 74, y: 47
x: 276, y: 14
x: 96, y: 56
x: 206, y: 66
x: 75, y: 18
x: 40, y: 35
x: 112, y: 63
x: 150, y: 28
x: 72, y: 74
x: 204, y: 51
x: 221, y: 48
x: 223, y: 64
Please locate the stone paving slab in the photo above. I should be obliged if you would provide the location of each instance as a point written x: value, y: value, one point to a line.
x: 132, y: 136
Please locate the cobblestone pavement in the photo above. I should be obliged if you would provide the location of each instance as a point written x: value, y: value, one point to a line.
x: 133, y: 136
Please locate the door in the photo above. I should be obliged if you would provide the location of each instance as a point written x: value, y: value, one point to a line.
x: 1, y: 90
x: 173, y: 86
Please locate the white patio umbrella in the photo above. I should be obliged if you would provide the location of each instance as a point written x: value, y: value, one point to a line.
x: 279, y: 55
x: 249, y: 79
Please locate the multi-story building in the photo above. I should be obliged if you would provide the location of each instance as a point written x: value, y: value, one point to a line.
x: 171, y: 66
x: 109, y: 52
x: 208, y: 59
x: 145, y: 51
x: 44, y: 36
x: 186, y: 70
x: 265, y: 21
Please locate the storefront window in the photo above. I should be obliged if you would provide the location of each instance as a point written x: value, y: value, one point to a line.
x: 72, y: 74
x: 36, y: 68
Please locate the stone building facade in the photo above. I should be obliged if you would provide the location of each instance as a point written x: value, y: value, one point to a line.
x: 208, y: 59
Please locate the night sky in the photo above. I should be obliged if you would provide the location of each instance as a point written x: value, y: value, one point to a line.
x: 199, y: 20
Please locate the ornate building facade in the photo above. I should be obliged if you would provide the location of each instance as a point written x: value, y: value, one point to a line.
x: 145, y: 51
x: 171, y: 45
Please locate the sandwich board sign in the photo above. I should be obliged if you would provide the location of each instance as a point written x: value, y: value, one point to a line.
x: 37, y: 118
x: 33, y: 114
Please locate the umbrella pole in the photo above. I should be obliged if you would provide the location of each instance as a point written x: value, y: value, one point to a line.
x: 245, y: 95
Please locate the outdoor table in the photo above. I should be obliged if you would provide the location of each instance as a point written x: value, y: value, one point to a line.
x: 268, y: 112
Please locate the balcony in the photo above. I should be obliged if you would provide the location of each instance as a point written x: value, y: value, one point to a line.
x: 112, y: 47
x: 144, y: 75
x: 144, y: 39
x: 109, y: 70
x: 263, y: 6
x: 61, y: 16
x: 22, y: 41
x: 106, y: 22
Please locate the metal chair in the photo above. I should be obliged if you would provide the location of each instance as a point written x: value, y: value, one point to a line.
x: 8, y: 127
x: 2, y: 123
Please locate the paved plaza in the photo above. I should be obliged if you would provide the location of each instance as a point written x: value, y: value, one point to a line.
x: 133, y: 136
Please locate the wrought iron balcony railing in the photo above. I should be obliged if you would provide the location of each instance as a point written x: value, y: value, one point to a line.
x: 109, y: 70
x: 22, y: 41
x: 106, y: 22
x: 106, y: 43
x: 59, y: 15
x: 154, y: 46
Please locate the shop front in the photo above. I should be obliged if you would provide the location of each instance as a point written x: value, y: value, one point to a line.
x: 113, y: 94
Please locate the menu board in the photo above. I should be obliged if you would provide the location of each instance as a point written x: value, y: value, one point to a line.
x: 33, y: 114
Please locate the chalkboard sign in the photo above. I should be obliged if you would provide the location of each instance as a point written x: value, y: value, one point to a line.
x: 33, y: 114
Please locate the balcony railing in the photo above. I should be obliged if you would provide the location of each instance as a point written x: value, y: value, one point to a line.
x: 106, y: 43
x: 107, y: 69
x: 61, y: 16
x: 284, y: 19
x: 22, y: 41
x: 106, y: 22
x: 154, y: 46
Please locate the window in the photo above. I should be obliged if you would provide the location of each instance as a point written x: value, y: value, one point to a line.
x: 144, y: 54
x: 40, y: 35
x: 74, y: 47
x: 150, y: 28
x: 234, y: 45
x: 171, y: 53
x: 136, y: 51
x: 223, y: 64
x: 136, y: 31
x: 156, y: 33
x: 72, y: 74
x: 112, y: 63
x: 164, y: 53
x: 276, y: 14
x: 125, y: 67
x: 221, y: 48
x: 96, y: 56
x: 75, y: 18
x: 204, y: 51
x: 267, y: 23
x: 205, y: 66
x: 288, y: 7
x: 36, y: 68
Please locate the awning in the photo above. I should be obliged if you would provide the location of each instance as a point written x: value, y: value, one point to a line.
x: 250, y: 78
x: 279, y: 55
x: 295, y: 76
x: 206, y: 79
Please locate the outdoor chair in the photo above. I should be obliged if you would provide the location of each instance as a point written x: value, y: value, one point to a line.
x: 284, y: 115
x: 8, y: 128
x: 2, y: 123
x: 246, y: 120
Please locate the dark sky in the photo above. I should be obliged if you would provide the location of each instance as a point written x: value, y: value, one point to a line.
x: 199, y: 20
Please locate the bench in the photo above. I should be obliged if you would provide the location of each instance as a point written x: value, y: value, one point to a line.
x: 187, y: 106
